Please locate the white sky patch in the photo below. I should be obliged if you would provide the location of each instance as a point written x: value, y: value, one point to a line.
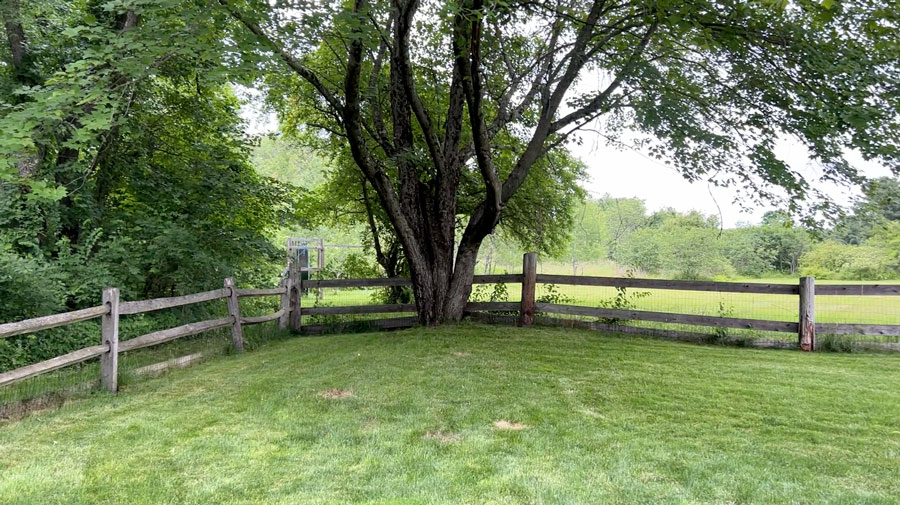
x: 628, y: 173
x: 257, y: 118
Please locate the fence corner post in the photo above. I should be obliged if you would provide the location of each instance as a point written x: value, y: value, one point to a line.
x: 234, y: 310
x: 109, y: 328
x: 807, y: 332
x: 529, y: 283
x: 285, y: 303
x: 296, y: 296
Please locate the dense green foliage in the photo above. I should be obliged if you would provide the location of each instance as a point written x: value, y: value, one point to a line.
x: 606, y: 420
x: 125, y: 164
x: 144, y: 183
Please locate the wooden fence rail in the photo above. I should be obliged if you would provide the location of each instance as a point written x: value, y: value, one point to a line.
x: 143, y: 306
x: 804, y: 326
x: 49, y: 365
x: 523, y: 312
x: 53, y: 321
x: 628, y: 282
x: 666, y: 317
x: 110, y: 312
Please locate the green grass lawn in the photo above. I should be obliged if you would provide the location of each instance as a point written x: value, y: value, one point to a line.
x: 606, y: 420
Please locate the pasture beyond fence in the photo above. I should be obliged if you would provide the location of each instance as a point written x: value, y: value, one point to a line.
x: 618, y: 316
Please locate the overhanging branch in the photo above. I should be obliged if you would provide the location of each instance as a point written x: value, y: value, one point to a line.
x: 295, y: 64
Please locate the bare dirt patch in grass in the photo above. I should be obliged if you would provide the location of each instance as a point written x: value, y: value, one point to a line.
x: 444, y: 437
x: 508, y: 425
x: 460, y: 354
x: 18, y: 410
x: 336, y: 394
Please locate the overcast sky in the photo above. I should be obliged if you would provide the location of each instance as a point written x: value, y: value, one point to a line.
x: 631, y: 174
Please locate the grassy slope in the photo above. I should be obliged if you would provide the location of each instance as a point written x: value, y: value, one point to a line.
x: 611, y: 420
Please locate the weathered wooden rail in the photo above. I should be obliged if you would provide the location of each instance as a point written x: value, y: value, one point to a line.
x: 112, y: 309
x: 522, y: 313
x: 666, y: 317
x: 804, y: 326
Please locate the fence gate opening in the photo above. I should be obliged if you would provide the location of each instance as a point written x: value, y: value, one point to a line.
x: 309, y: 253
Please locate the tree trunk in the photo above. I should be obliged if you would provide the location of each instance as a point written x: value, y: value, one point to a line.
x: 461, y: 286
x: 442, y: 288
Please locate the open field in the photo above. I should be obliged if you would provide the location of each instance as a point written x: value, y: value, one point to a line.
x: 409, y: 417
x: 829, y: 309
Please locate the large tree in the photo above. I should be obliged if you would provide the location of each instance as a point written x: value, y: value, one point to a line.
x: 427, y: 95
x: 424, y: 93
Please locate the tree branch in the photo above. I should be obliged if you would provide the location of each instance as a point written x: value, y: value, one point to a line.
x: 380, y: 133
x: 598, y: 101
x: 295, y: 64
x: 361, y: 156
x: 468, y: 63
x: 401, y: 30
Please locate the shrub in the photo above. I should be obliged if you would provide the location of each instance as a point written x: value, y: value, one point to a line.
x: 553, y: 295
x: 833, y: 260
x: 498, y: 293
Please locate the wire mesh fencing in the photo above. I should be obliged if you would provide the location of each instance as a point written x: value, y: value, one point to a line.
x: 838, y: 314
x: 355, y: 306
x: 713, y: 304
x: 756, y: 314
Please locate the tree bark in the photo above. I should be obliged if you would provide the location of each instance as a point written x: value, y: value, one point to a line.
x: 10, y: 10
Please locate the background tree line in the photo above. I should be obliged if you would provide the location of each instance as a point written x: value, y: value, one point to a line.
x: 863, y: 244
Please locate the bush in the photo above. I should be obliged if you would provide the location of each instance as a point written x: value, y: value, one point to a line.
x: 682, y: 246
x: 352, y: 266
x: 28, y: 287
x: 833, y: 260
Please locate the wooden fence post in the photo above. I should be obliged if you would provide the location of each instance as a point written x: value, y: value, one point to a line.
x: 296, y: 296
x: 109, y: 336
x: 529, y: 283
x: 807, y: 336
x: 285, y: 302
x: 234, y: 310
x: 320, y: 264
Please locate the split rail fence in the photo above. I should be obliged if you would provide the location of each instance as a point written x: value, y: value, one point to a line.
x: 112, y: 308
x: 522, y: 312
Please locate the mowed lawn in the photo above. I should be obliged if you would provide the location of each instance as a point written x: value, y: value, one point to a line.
x: 409, y: 417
